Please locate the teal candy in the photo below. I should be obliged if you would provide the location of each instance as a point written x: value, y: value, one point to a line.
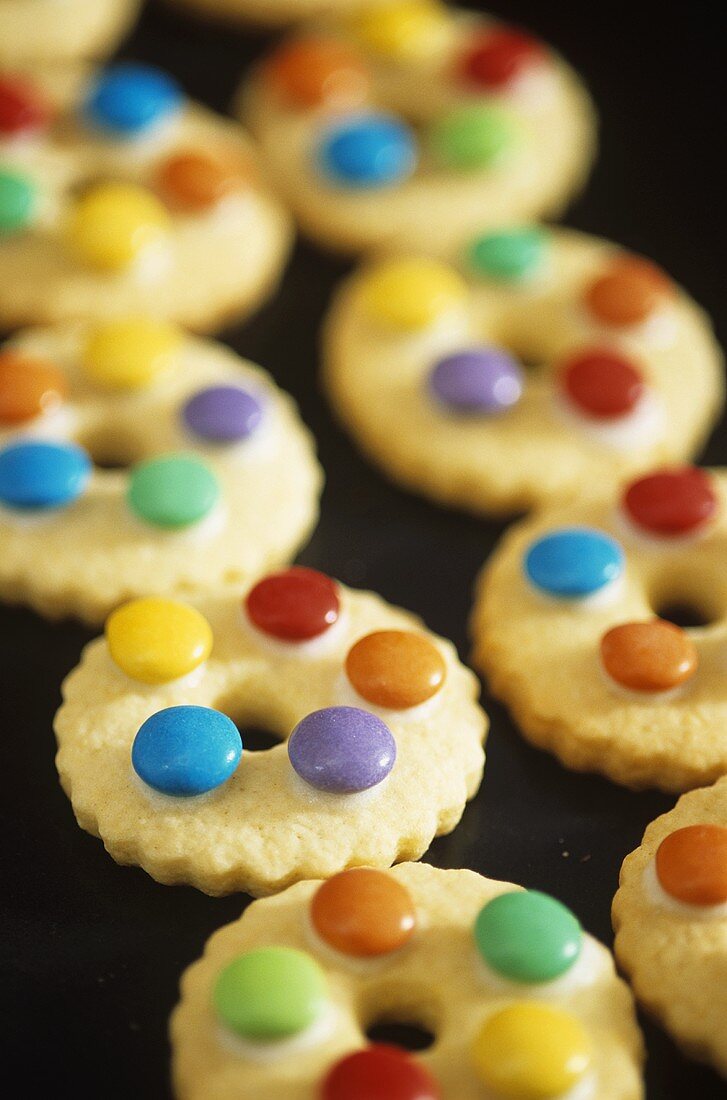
x: 173, y: 491
x: 509, y: 256
x: 528, y: 937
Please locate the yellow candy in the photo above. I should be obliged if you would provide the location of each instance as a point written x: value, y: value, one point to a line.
x: 408, y: 30
x: 113, y: 222
x: 156, y: 640
x: 412, y: 294
x: 531, y: 1051
x: 131, y: 353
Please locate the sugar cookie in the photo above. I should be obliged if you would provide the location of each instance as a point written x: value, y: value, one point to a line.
x: 61, y: 30
x: 273, y: 12
x: 381, y: 736
x: 424, y: 363
x: 520, y: 1001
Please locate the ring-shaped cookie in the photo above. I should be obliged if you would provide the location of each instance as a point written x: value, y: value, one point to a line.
x: 424, y: 364
x: 411, y: 126
x: 519, y: 1001
x: 61, y: 30
x: 272, y: 13
x: 118, y: 195
x: 670, y: 917
x: 566, y: 627
x: 365, y: 774
x: 222, y: 481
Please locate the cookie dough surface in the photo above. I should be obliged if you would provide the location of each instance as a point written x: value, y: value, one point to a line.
x: 61, y: 30
x: 674, y: 954
x: 211, y: 266
x: 377, y: 376
x: 85, y: 558
x: 541, y: 655
x: 265, y: 829
x: 272, y: 12
x: 550, y: 117
x: 436, y: 979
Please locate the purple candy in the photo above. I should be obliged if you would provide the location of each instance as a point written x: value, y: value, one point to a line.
x: 222, y: 414
x: 342, y: 749
x: 479, y: 380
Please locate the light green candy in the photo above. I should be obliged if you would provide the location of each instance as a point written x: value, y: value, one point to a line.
x: 18, y: 195
x: 471, y: 137
x: 272, y: 993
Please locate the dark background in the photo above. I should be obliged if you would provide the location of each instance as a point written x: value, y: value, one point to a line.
x: 91, y: 952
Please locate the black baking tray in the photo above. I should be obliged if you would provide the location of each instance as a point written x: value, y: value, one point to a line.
x: 91, y: 953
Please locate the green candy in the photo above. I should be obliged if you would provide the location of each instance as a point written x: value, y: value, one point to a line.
x: 510, y: 255
x: 270, y: 994
x: 172, y: 491
x: 472, y: 137
x: 17, y: 200
x: 528, y: 936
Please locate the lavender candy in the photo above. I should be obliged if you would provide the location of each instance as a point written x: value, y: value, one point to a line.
x: 342, y: 750
x: 222, y: 414
x: 478, y: 380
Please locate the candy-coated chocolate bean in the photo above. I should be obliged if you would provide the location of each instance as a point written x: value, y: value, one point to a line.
x: 222, y: 414
x: 602, y: 384
x: 367, y: 151
x: 479, y: 380
x: 156, y: 640
x: 271, y: 993
x: 195, y: 181
x: 509, y: 256
x: 379, y: 1072
x: 628, y: 293
x: 185, y: 751
x: 404, y: 30
x: 670, y: 503
x: 130, y: 353
x: 172, y: 491
x: 18, y: 200
x: 22, y: 109
x: 527, y: 936
x: 129, y: 99
x: 691, y: 864
x: 28, y: 387
x: 342, y: 750
x: 36, y: 475
x: 573, y: 562
x: 471, y: 137
x: 363, y: 912
x: 532, y: 1051
x: 395, y: 669
x: 412, y: 294
x: 312, y: 71
x: 295, y: 605
x: 497, y: 58
x: 113, y: 223
x: 651, y: 656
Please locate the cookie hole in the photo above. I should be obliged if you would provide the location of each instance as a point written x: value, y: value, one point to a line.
x: 110, y: 452
x: 401, y: 1033
x: 684, y: 613
x: 257, y: 738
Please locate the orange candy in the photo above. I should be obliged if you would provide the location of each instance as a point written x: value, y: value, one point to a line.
x: 363, y: 912
x: 395, y: 669
x: 27, y: 387
x: 628, y: 293
x: 313, y: 71
x: 196, y: 181
x: 691, y: 864
x: 652, y: 656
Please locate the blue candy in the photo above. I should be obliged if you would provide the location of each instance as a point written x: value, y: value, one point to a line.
x: 573, y: 562
x: 368, y: 151
x: 186, y: 750
x: 128, y: 99
x: 35, y: 474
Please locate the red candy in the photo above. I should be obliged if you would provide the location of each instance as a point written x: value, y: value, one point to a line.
x: 21, y: 108
x: 602, y: 384
x: 670, y: 503
x: 380, y: 1072
x: 498, y: 58
x: 295, y: 605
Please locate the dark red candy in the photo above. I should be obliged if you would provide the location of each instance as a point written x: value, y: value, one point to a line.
x: 294, y: 605
x: 602, y: 384
x: 21, y: 107
x: 670, y: 503
x: 499, y: 57
x: 380, y: 1072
